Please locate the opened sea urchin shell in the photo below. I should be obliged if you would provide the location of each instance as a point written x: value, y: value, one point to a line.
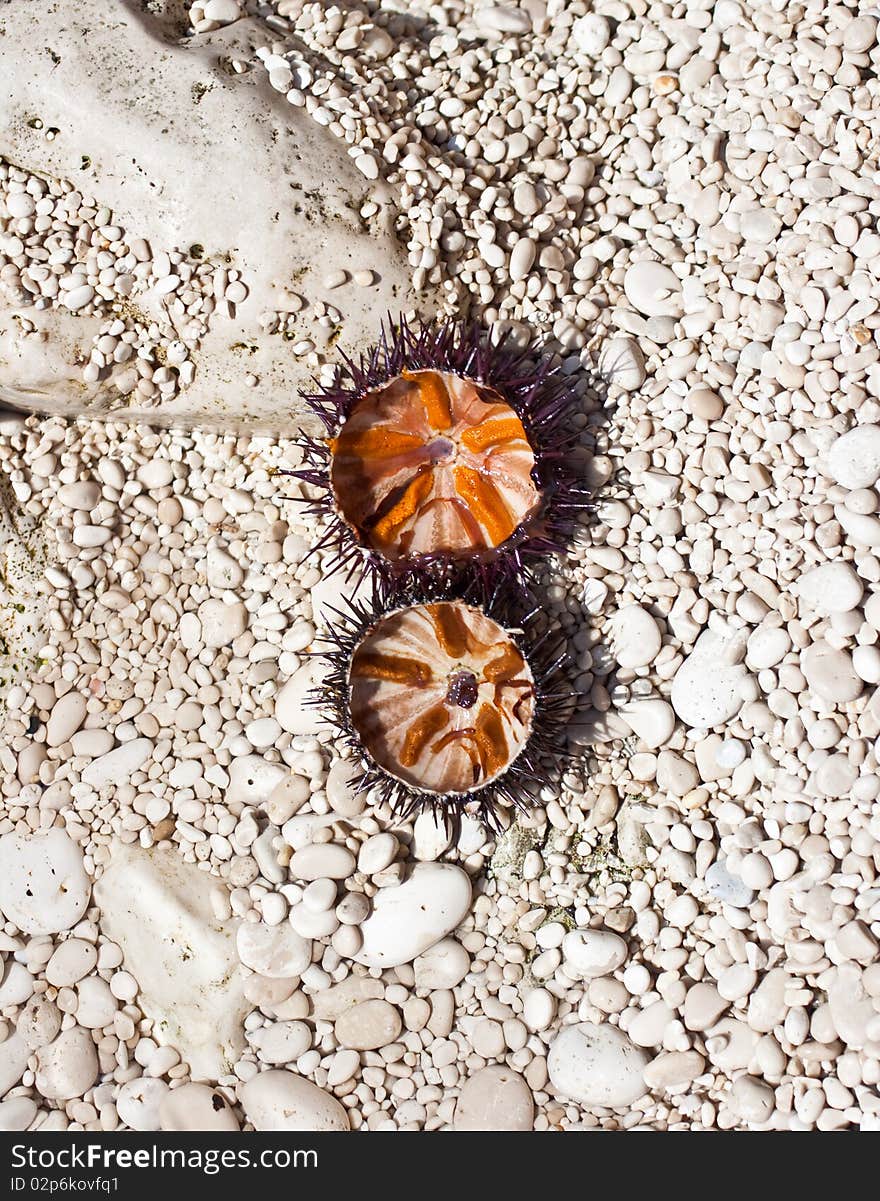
x: 445, y: 448
x: 441, y: 697
x: 446, y: 705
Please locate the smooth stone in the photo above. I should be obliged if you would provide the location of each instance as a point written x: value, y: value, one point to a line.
x: 377, y: 852
x: 281, y: 1042
x: 634, y: 637
x: 442, y: 966
x: 88, y: 537
x: 292, y: 712
x: 118, y: 765
x: 184, y: 958
x: 653, y: 289
x: 431, y: 837
x: 279, y: 1100
x: 221, y: 623
x: 92, y: 744
x: 409, y: 918
x: 368, y: 1026
x: 17, y: 1113
x: 253, y: 780
x: 596, y: 1065
x: 14, y: 1055
x: 341, y: 789
x: 67, y: 1067
x: 96, y: 1005
x: 706, y: 690
x: 494, y: 1098
x: 590, y: 953
x: 17, y: 985
x: 829, y: 673
x: 39, y: 1022
x: 68, y: 714
x: 647, y: 1028
x: 727, y: 887
x: 139, y: 1102
x: 851, y: 1008
x: 332, y: 1002
x: 760, y: 225
x: 322, y: 861
x: 222, y: 571
x: 703, y: 1006
x: 751, y: 1099
x: 853, y: 459
x: 767, y: 1006
x: 831, y: 588
x: 673, y: 1068
x: 196, y: 1107
x: 286, y: 798
x: 83, y: 494
x: 262, y: 733
x: 767, y: 646
x: 622, y: 362
x: 70, y: 962
x: 274, y: 951
x: 652, y: 719
x: 43, y: 885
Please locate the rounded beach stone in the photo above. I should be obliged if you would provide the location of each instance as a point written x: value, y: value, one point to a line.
x: 494, y: 1098
x: 596, y: 1065
x: 279, y: 1100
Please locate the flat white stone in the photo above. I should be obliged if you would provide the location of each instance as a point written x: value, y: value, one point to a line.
x: 252, y: 780
x: 723, y: 885
x: 196, y: 1107
x: 652, y: 719
x: 368, y: 1026
x: 853, y: 459
x: 14, y: 1054
x: 292, y: 712
x: 67, y: 1067
x: 221, y: 623
x: 596, y: 1065
x: 118, y: 765
x: 274, y: 951
x: 707, y: 690
x: 68, y: 714
x: 278, y: 1100
x: 591, y: 953
x: 325, y: 860
x: 17, y: 1113
x: 634, y: 636
x: 494, y: 1098
x: 410, y: 917
x: 139, y: 1102
x: 622, y: 362
x: 43, y: 886
x: 831, y: 588
x: 184, y: 958
x: 653, y: 289
x: 442, y: 966
x: 830, y: 673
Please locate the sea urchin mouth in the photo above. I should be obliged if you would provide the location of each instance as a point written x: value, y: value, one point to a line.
x: 431, y: 463
x: 441, y: 697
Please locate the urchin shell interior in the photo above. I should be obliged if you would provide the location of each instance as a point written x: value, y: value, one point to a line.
x: 441, y: 697
x: 431, y: 463
x: 385, y: 463
x: 537, y: 751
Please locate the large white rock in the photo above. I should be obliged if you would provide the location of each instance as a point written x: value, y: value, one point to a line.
x: 278, y: 1100
x: 597, y: 1065
x: 157, y: 908
x: 277, y: 952
x: 410, y: 917
x: 205, y: 156
x: 830, y: 588
x: 43, y: 886
x: 119, y: 764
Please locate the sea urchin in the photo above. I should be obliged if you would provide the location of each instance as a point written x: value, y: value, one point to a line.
x: 444, y: 707
x: 444, y: 447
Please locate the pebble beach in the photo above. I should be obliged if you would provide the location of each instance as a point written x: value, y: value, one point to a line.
x: 203, y: 923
